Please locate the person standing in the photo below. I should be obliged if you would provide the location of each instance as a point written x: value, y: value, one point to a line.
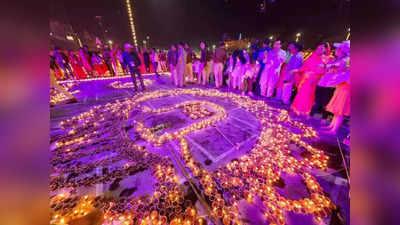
x: 142, y: 67
x: 132, y: 61
x: 180, y: 67
x: 85, y: 58
x: 163, y: 60
x: 238, y: 69
x: 172, y: 60
x: 146, y: 60
x: 53, y: 65
x: 261, y: 56
x: 250, y: 76
x: 76, y: 65
x: 219, y: 61
x: 189, y: 63
x: 324, y: 93
x: 107, y: 60
x: 54, y: 84
x: 114, y: 59
x: 99, y: 64
x: 339, y: 104
x: 311, y: 72
x: 63, y: 62
x: 254, y: 50
x: 204, y: 71
x: 288, y: 72
x: 196, y: 66
x: 270, y: 75
x: 231, y: 65
x: 155, y: 60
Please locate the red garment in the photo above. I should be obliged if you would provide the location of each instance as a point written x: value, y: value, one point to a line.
x: 142, y: 67
x: 101, y: 69
x: 340, y: 102
x: 311, y: 72
x: 151, y: 68
x: 77, y: 66
x: 59, y: 74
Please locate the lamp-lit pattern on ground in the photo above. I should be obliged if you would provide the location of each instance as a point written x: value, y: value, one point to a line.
x: 118, y: 84
x: 58, y: 97
x: 252, y: 177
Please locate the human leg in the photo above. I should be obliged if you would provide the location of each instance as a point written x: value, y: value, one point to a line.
x: 287, y: 92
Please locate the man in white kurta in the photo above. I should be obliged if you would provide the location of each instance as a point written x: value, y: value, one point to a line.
x: 270, y: 74
x: 295, y: 61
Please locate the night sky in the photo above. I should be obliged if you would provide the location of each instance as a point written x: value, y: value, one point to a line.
x: 170, y: 21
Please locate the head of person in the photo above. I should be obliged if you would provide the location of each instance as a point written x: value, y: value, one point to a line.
x: 180, y: 45
x: 128, y: 47
x: 254, y: 44
x: 342, y: 49
x: 153, y: 50
x: 187, y: 46
x: 266, y: 43
x: 203, y: 45
x: 222, y: 44
x: 57, y: 49
x: 173, y: 47
x: 321, y: 49
x: 235, y: 54
x: 85, y: 47
x: 294, y: 47
x: 242, y: 56
x: 277, y: 45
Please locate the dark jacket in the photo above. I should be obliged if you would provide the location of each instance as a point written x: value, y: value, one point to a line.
x: 146, y: 58
x: 172, y: 57
x: 205, y: 56
x: 131, y: 59
x: 220, y: 55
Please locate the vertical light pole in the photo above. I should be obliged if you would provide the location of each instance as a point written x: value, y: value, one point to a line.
x: 131, y: 21
x: 298, y: 36
x: 348, y: 34
x: 79, y: 42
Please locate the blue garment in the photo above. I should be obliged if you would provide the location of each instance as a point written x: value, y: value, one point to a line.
x: 295, y: 61
x: 131, y: 59
x: 261, y: 54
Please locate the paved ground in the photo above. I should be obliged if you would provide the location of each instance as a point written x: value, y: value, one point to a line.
x: 212, y: 147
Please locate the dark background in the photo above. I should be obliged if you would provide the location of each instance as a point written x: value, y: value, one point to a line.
x: 171, y: 21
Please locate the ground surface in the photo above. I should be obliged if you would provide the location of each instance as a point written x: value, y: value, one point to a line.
x: 213, y: 147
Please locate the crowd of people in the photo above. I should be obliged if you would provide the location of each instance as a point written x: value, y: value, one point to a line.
x: 84, y: 64
x: 316, y: 83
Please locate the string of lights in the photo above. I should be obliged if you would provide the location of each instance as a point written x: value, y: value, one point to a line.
x: 131, y: 21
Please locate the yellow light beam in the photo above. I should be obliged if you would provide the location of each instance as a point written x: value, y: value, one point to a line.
x: 131, y: 21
